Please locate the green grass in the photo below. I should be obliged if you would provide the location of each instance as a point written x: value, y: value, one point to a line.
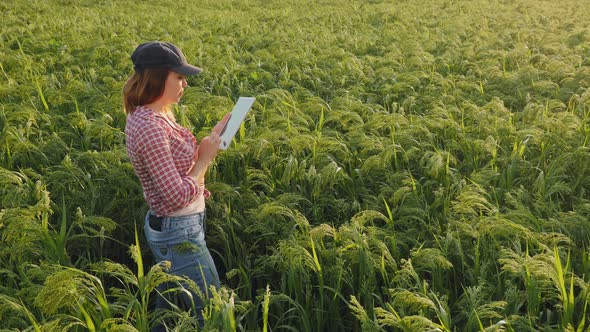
x: 408, y: 165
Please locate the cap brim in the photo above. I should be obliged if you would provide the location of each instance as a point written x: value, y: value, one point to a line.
x: 188, y: 70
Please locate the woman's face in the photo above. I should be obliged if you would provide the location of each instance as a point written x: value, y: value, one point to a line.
x: 173, y: 88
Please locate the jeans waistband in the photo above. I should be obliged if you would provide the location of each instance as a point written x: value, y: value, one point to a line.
x: 184, y: 221
x: 175, y: 228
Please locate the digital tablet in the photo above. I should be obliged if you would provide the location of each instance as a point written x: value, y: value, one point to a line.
x: 238, y: 114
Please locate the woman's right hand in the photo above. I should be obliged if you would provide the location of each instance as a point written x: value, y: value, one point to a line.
x: 209, y: 146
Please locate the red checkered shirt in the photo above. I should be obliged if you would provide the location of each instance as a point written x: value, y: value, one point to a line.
x: 162, y: 153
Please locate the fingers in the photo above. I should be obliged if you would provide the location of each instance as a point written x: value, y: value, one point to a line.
x: 210, y: 141
x: 214, y: 139
x: 209, y: 147
x: 221, y: 124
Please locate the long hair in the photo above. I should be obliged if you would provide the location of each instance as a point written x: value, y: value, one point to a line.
x: 144, y: 87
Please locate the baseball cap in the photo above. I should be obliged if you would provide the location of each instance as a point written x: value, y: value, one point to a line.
x: 157, y: 54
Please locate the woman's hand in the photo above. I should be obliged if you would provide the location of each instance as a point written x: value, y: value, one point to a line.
x: 221, y: 124
x: 209, y: 146
x: 206, y: 151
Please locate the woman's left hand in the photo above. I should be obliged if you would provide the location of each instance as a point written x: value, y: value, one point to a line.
x: 221, y: 124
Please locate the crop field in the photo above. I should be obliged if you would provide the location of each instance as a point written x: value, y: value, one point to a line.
x: 408, y: 165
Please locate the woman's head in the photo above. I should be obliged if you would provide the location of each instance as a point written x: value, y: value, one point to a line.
x: 158, y: 65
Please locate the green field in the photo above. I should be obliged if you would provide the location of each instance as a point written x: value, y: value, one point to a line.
x: 408, y: 165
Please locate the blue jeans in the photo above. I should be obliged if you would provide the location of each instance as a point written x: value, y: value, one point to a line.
x: 181, y: 240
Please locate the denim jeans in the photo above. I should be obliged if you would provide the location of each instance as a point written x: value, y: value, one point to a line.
x: 181, y: 240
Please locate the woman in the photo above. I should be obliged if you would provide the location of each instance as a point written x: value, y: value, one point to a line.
x: 171, y: 168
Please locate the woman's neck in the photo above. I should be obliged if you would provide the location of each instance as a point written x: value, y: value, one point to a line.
x: 163, y: 110
x: 157, y: 107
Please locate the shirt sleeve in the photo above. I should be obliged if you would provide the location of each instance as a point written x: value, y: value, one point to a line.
x: 176, y: 189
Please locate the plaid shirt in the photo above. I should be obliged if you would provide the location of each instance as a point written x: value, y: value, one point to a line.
x: 162, y: 153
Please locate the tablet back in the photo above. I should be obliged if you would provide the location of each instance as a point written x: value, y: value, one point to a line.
x: 238, y: 115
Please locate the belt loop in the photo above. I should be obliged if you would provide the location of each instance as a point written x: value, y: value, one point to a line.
x: 166, y: 223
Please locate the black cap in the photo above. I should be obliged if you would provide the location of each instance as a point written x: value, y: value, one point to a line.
x: 159, y: 54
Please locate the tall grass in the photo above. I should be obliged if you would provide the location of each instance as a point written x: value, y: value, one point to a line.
x: 410, y: 165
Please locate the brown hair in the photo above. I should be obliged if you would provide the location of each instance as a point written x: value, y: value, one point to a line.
x: 144, y: 87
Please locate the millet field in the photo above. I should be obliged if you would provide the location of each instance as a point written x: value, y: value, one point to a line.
x: 408, y: 165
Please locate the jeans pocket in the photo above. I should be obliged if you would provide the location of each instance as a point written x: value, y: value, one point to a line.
x: 192, y: 258
x: 161, y: 252
x: 186, y: 253
x: 155, y: 222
